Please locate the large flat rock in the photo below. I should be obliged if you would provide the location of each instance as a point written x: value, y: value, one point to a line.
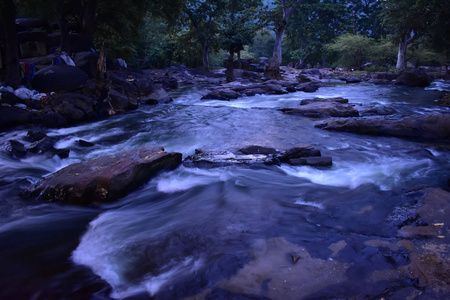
x: 105, y: 179
x: 320, y: 108
x: 427, y: 126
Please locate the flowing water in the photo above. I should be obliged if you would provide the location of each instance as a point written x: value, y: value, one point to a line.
x: 226, y: 232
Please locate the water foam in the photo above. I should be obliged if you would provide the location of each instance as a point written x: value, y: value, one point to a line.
x: 186, y: 178
x: 386, y: 172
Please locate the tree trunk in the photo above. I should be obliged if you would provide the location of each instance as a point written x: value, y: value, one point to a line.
x: 64, y: 30
x: 405, y: 39
x: 230, y: 67
x: 273, y: 68
x: 205, y: 54
x: 401, y: 57
x: 11, y: 43
x: 88, y: 9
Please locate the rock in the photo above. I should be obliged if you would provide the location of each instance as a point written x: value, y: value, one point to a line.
x: 75, y: 107
x: 9, y: 98
x: 414, y: 78
x: 62, y: 153
x: 157, y: 96
x: 207, y: 159
x: 322, y: 161
x: 104, y: 179
x: 86, y: 61
x: 309, y: 75
x: 221, y: 94
x: 83, y: 143
x: 427, y: 126
x: 378, y: 111
x: 14, y: 148
x: 327, y: 100
x: 380, y: 77
x: 350, y: 79
x: 321, y: 109
x: 14, y: 116
x: 258, y: 155
x: 59, y: 78
x: 444, y: 99
x: 34, y: 136
x: 310, y: 87
x: 44, y: 145
x: 275, y: 88
x: 258, y: 150
x: 299, y: 151
x: 122, y: 102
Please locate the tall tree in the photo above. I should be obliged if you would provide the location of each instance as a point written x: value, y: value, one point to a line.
x: 237, y: 29
x: 10, y: 42
x: 405, y: 19
x: 278, y: 19
x: 202, y: 17
x: 316, y: 23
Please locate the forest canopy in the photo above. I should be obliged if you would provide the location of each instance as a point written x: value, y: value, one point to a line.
x: 207, y: 33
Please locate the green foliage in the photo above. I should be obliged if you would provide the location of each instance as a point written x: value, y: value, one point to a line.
x: 262, y: 44
x: 353, y: 49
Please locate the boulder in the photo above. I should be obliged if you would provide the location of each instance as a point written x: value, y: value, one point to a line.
x: 207, y: 159
x: 14, y: 148
x: 299, y: 151
x: 221, y: 94
x: 14, y: 116
x: 75, y: 107
x: 323, y: 161
x: 83, y: 143
x: 104, y: 179
x: 86, y: 61
x: 414, y: 78
x: 59, y: 78
x: 309, y: 87
x: 320, y: 109
x: 327, y: 100
x: 254, y: 149
x: 122, y: 102
x: 44, y: 145
x: 309, y: 75
x: 258, y: 155
x: 350, y: 79
x: 34, y: 136
x: 427, y: 126
x: 158, y: 96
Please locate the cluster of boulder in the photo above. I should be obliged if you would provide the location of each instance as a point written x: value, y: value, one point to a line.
x: 300, y: 155
x: 111, y: 177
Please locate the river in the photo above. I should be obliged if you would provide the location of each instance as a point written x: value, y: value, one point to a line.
x: 227, y: 232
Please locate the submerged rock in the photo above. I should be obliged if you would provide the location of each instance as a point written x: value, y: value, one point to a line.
x: 104, y: 179
x: 427, y: 126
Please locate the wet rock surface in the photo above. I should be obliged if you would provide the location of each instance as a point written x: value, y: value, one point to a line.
x: 426, y: 126
x: 319, y: 108
x: 259, y: 155
x: 414, y: 78
x: 104, y: 179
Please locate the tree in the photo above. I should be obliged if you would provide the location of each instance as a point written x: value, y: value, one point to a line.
x: 201, y: 16
x: 10, y: 42
x: 278, y: 19
x: 315, y: 24
x: 405, y: 19
x: 353, y: 49
x: 237, y: 29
